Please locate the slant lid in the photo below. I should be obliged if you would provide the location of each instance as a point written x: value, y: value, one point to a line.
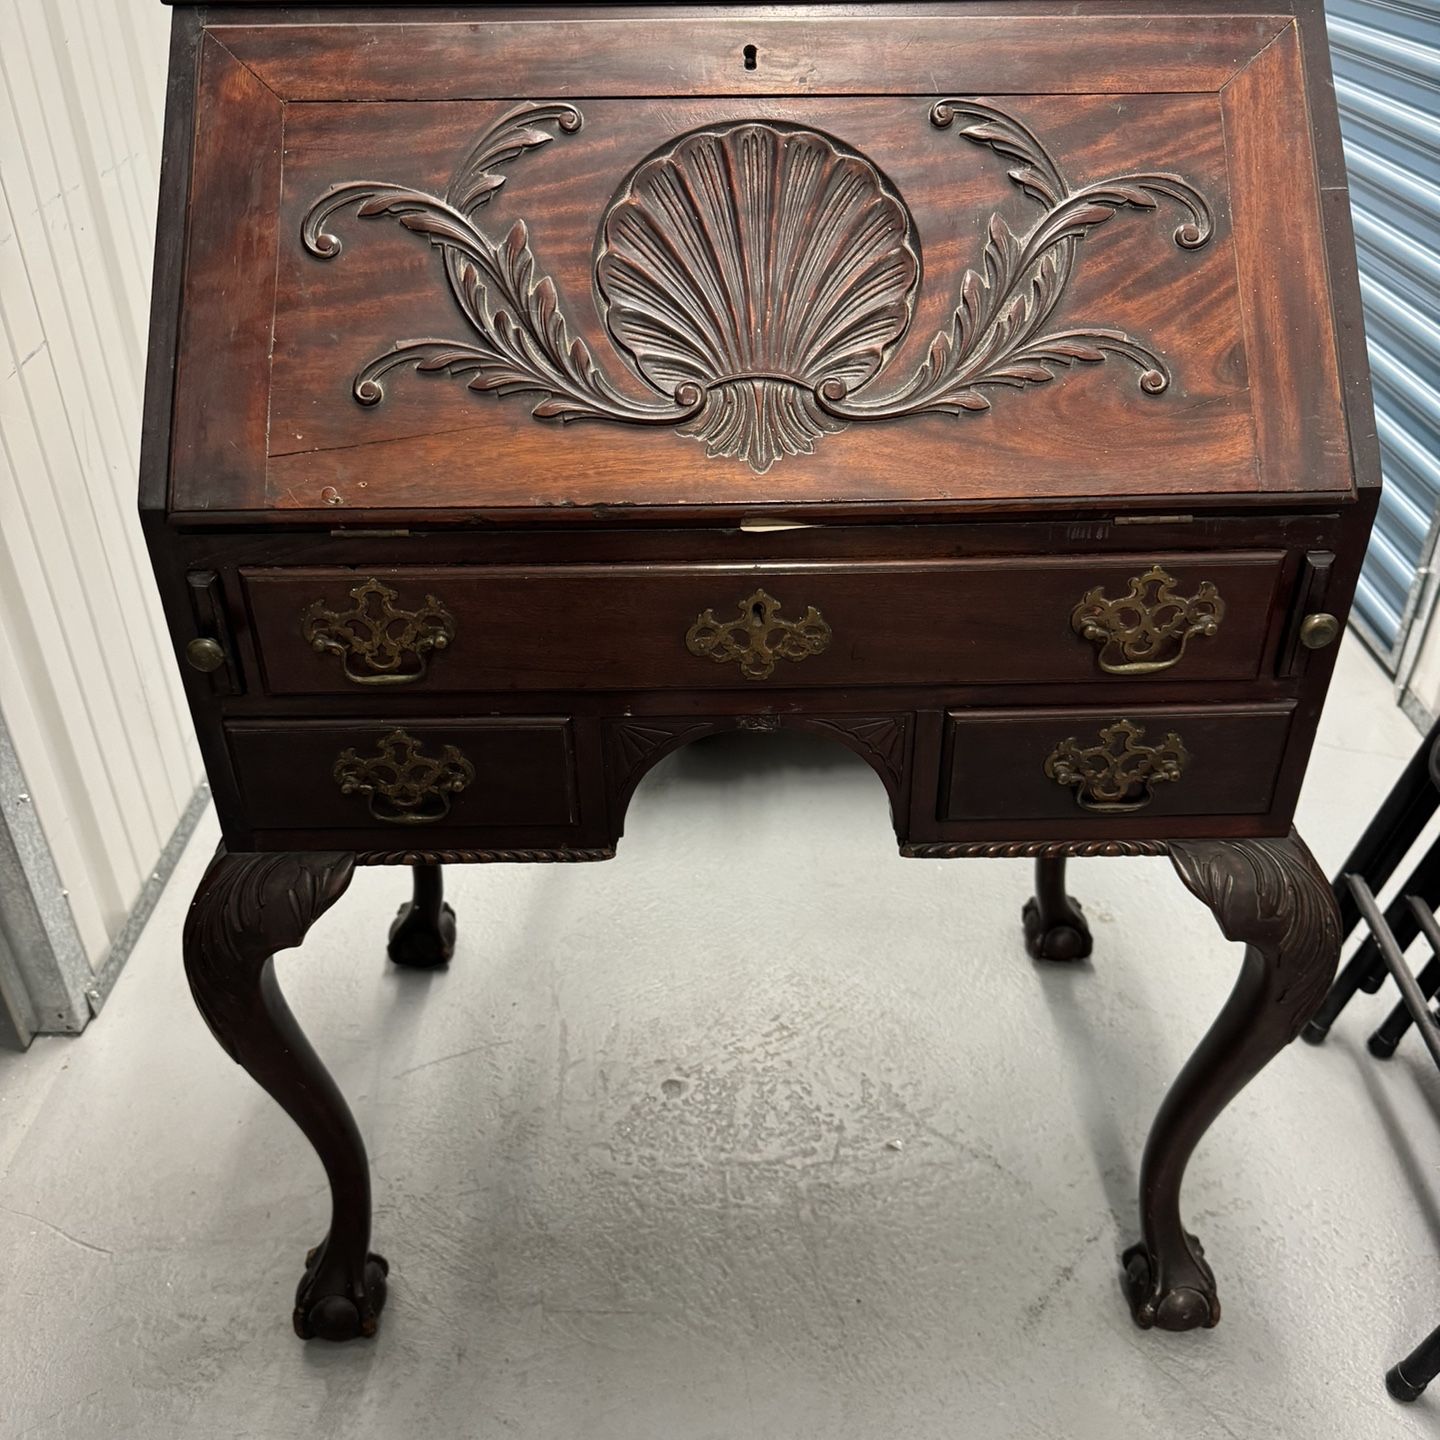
x: 754, y: 261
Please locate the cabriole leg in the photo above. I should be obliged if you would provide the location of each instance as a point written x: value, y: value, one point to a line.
x: 1271, y: 895
x: 247, y: 908
x: 423, y: 935
x: 1055, y: 929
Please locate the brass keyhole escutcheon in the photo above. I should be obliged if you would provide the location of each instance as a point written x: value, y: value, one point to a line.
x: 1319, y: 630
x: 759, y: 637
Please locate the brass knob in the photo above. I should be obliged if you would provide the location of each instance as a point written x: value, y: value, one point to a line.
x: 1318, y: 631
x: 205, y: 655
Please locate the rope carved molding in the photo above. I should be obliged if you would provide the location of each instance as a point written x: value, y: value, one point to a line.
x: 757, y: 277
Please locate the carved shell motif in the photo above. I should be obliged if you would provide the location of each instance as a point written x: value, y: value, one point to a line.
x: 757, y: 261
x: 757, y: 276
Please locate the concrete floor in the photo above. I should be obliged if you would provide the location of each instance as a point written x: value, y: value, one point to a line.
x: 757, y: 1131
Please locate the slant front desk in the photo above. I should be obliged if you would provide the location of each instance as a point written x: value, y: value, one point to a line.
x: 976, y: 386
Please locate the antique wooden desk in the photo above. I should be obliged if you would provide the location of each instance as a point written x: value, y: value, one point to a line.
x: 979, y: 386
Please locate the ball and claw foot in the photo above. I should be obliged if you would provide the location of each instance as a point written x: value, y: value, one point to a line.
x: 1169, y: 1307
x: 1055, y: 927
x: 1048, y: 938
x: 340, y: 1315
x: 420, y: 942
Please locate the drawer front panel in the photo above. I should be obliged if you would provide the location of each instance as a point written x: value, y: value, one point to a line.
x: 1098, y: 764
x: 405, y: 777
x: 1182, y: 617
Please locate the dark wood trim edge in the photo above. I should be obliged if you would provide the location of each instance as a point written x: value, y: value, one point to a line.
x: 168, y: 281
x: 1030, y: 849
x: 483, y: 857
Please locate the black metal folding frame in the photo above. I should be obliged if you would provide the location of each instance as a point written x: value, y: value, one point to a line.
x: 1397, y: 825
x: 1407, y: 1380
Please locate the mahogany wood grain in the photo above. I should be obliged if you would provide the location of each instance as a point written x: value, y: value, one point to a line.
x: 166, y: 288
x: 1277, y: 224
x: 226, y: 553
x: 359, y: 57
x: 222, y: 386
x: 524, y: 774
x: 995, y: 761
x: 1346, y: 306
x: 1077, y: 437
x: 624, y: 627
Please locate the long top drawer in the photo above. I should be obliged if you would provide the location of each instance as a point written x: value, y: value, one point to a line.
x: 1203, y: 617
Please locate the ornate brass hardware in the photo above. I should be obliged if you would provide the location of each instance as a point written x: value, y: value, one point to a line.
x: 759, y: 637
x: 403, y: 786
x: 1117, y: 775
x: 205, y: 655
x: 374, y: 636
x: 1148, y: 629
x: 1318, y: 631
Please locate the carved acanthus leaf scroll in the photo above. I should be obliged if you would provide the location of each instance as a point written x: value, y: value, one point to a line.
x: 1271, y: 894
x: 758, y: 276
x: 248, y: 907
x: 522, y: 342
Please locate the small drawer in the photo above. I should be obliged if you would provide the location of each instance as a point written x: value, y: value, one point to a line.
x: 405, y: 776
x: 1144, y: 760
x: 1198, y: 616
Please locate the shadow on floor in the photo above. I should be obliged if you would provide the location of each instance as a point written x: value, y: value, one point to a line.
x: 1108, y: 1141
x: 1379, y: 1078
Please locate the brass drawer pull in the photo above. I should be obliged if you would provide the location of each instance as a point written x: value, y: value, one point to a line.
x: 759, y: 637
x: 1119, y: 774
x: 403, y: 786
x: 1148, y: 629
x: 378, y: 642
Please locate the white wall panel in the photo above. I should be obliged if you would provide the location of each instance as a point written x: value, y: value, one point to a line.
x: 88, y: 691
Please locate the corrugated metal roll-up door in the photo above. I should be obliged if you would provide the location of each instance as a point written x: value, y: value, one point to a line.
x: 1386, y: 56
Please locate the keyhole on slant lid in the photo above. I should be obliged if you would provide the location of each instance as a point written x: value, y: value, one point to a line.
x: 758, y: 610
x: 751, y: 57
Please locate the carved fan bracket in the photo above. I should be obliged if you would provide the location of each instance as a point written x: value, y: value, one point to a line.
x: 833, y: 314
